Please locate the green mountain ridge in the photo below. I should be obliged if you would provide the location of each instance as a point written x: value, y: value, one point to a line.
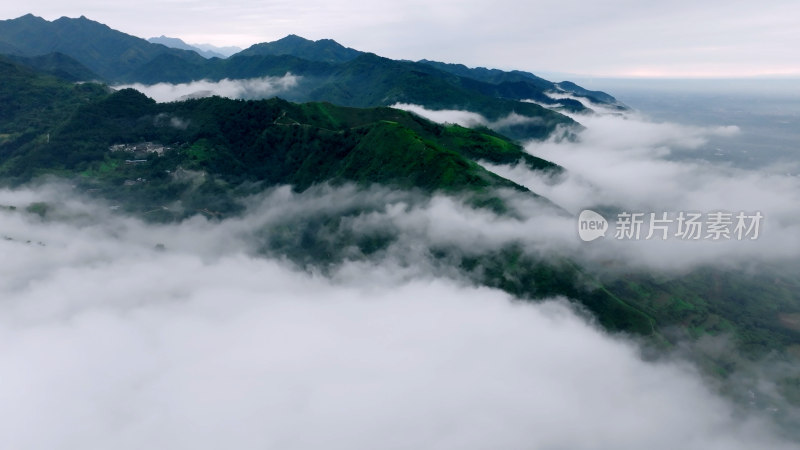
x: 109, y: 53
x: 517, y: 85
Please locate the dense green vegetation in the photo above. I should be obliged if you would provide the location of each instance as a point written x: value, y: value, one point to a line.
x: 35, y: 104
x: 279, y: 142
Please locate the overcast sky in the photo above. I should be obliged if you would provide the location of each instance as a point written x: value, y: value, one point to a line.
x: 601, y: 38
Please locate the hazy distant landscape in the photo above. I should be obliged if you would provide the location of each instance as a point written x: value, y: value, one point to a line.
x: 304, y: 245
x: 765, y: 109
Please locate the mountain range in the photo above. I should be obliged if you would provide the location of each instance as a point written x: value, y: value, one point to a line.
x: 204, y: 50
x: 326, y: 70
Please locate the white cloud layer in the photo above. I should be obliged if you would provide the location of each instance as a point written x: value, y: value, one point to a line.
x: 107, y: 342
x: 464, y: 118
x: 251, y: 88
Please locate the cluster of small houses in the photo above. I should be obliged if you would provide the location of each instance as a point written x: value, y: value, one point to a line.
x: 138, y: 180
x: 139, y: 151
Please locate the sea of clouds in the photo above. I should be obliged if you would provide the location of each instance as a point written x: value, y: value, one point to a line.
x: 109, y: 339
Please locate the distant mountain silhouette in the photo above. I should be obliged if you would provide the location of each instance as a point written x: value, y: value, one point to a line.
x: 325, y: 50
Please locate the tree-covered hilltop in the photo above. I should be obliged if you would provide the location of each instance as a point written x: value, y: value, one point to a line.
x: 134, y: 149
x: 276, y: 142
